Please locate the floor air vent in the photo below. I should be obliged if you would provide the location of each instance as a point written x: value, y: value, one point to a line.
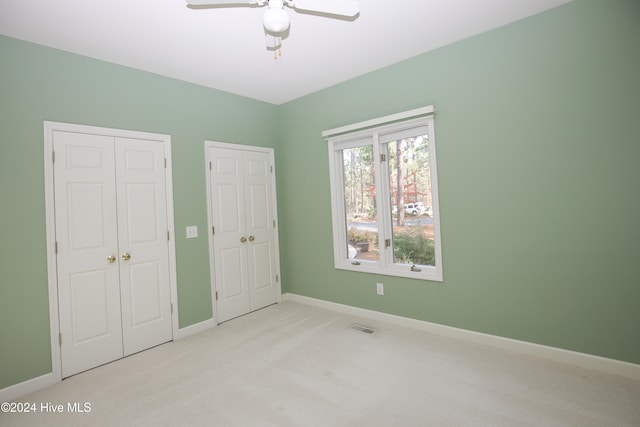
x: 364, y: 329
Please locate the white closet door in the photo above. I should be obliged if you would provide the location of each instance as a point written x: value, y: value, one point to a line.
x: 143, y: 243
x: 230, y: 238
x: 244, y: 240
x: 87, y: 250
x: 113, y: 251
x: 260, y: 227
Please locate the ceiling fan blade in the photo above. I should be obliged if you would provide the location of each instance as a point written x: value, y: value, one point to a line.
x: 333, y: 7
x: 221, y: 2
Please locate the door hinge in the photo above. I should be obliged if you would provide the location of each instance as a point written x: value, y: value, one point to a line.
x: 387, y: 243
x: 274, y: 223
x: 213, y: 231
x: 56, y: 247
x: 383, y: 157
x: 171, y: 305
x: 271, y: 169
x: 216, y: 295
x: 165, y: 162
x: 210, y: 166
x: 60, y: 338
x: 277, y: 278
x: 53, y: 157
x: 168, y: 236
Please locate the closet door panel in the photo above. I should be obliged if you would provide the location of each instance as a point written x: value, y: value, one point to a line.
x: 260, y: 227
x: 229, y: 239
x: 86, y: 241
x: 143, y: 243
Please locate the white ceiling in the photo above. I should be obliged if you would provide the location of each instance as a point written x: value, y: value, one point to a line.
x: 224, y: 47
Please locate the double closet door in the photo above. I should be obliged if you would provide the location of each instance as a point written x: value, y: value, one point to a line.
x: 112, y: 247
x: 244, y: 233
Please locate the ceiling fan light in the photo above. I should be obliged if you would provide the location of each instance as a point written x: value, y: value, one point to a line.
x: 276, y: 20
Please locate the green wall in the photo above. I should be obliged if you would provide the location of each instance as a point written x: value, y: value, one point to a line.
x: 538, y: 150
x: 37, y: 84
x: 537, y: 153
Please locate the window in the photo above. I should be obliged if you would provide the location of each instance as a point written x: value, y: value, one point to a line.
x: 384, y: 196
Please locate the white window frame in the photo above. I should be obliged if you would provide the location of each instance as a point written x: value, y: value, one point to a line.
x: 369, y: 132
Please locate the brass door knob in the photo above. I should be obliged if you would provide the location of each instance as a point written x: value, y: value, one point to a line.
x: 111, y: 259
x: 251, y: 238
x: 243, y: 239
x: 126, y: 256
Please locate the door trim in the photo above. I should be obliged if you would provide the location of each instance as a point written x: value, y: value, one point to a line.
x: 49, y: 129
x: 271, y: 153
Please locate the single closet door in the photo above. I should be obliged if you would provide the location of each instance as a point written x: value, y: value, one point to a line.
x: 112, y: 249
x: 143, y: 244
x: 87, y: 250
x: 244, y: 235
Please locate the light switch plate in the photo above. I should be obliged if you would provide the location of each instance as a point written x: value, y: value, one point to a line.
x: 192, y: 231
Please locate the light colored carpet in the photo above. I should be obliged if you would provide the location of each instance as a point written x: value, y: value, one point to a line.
x: 296, y: 365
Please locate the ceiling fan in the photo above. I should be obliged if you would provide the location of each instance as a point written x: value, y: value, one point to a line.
x: 276, y: 18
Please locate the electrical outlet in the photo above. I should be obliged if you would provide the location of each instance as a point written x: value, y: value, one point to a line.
x: 192, y: 231
x: 380, y: 288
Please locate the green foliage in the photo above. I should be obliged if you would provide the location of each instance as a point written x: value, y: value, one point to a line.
x: 414, y: 249
x: 354, y: 235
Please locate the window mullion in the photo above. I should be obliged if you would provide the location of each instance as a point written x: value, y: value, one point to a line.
x: 382, y: 189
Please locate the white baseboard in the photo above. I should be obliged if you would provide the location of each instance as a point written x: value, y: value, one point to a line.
x: 26, y: 387
x: 194, y: 329
x: 582, y: 360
